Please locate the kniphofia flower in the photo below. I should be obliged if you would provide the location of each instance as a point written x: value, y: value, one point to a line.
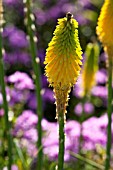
x: 105, y: 34
x: 63, y: 59
x: 90, y: 67
x: 105, y: 24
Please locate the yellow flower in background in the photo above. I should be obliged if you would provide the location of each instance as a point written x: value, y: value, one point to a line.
x: 63, y: 60
x: 105, y: 24
x: 1, y: 15
x: 105, y: 29
x: 90, y: 67
x: 105, y: 34
x: 63, y: 56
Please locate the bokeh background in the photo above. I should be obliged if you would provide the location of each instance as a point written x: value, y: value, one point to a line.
x: 21, y: 89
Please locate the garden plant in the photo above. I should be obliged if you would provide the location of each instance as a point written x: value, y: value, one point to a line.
x: 56, y: 84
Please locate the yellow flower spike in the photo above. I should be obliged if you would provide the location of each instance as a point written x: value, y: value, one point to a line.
x: 64, y: 51
x: 63, y: 59
x: 90, y: 67
x: 105, y: 24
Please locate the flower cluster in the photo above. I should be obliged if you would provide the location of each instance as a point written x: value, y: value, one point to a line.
x: 25, y: 129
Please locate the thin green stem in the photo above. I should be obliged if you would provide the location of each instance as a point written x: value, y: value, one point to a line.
x: 5, y: 106
x: 81, y: 124
x: 61, y: 141
x: 110, y: 97
x: 37, y: 72
x: 88, y: 161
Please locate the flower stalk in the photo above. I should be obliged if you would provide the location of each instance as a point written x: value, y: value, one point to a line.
x: 105, y: 34
x: 63, y: 60
x: 61, y: 121
x: 61, y: 103
x: 37, y: 78
x: 109, y: 110
x: 4, y: 95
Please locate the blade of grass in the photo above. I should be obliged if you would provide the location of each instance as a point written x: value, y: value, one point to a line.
x: 20, y: 154
x: 37, y: 72
x: 90, y: 162
x: 52, y: 166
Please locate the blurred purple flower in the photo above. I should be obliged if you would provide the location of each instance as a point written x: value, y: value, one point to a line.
x: 30, y: 147
x: 93, y: 133
x: 88, y: 108
x: 103, y: 121
x: 1, y: 99
x: 78, y: 109
x: 70, y: 128
x: 16, y: 37
x: 101, y: 76
x: 77, y: 91
x: 81, y: 7
x: 48, y: 126
x: 31, y: 101
x: 54, y: 11
x: 85, y: 3
x: 41, y: 55
x: 68, y: 7
x: 21, y: 81
x: 100, y: 91
x: 44, y: 81
x: 8, y: 30
x: 51, y: 137
x: 47, y: 95
x: 14, y: 167
x: 51, y: 152
x: 17, y: 96
x: 25, y: 130
x: 17, y: 57
x: 103, y: 57
x: 40, y: 17
x: 26, y: 121
x: 50, y: 141
x: 12, y: 2
x: 31, y: 135
x: 45, y: 2
x: 1, y: 112
x: 80, y: 19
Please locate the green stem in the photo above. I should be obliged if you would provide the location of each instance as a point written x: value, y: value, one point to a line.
x: 61, y: 141
x: 5, y: 106
x: 37, y: 72
x: 110, y: 97
x: 81, y: 125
